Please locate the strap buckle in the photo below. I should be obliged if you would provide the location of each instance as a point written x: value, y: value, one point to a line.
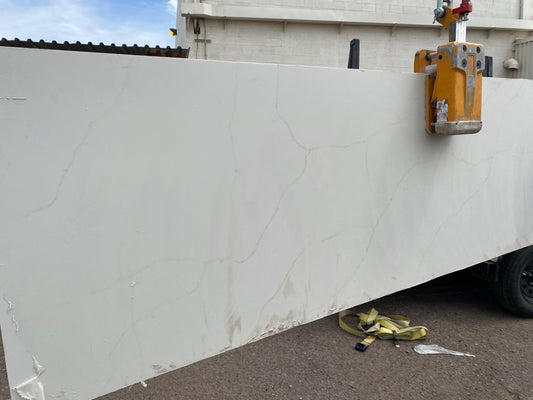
x: 396, y: 339
x: 361, y: 347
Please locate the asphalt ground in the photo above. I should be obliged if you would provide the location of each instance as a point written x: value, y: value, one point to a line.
x: 318, y: 360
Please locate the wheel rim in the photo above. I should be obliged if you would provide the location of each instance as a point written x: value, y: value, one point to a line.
x: 526, y: 283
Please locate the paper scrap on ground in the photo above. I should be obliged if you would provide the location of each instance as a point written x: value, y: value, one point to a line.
x: 436, y: 349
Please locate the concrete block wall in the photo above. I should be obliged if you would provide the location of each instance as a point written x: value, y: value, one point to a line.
x: 383, y: 46
x: 327, y: 45
x: 489, y: 8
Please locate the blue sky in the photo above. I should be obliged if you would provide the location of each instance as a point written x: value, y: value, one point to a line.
x: 113, y: 21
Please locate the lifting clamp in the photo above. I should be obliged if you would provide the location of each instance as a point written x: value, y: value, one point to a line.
x: 453, y: 75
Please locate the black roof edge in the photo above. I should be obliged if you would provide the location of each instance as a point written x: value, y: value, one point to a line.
x: 99, y: 48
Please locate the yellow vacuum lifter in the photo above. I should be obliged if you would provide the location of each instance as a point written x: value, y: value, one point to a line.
x: 454, y: 72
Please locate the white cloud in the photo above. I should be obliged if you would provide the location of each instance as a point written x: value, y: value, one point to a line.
x: 73, y: 20
x: 172, y: 6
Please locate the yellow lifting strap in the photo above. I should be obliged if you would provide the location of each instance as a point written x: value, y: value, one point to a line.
x: 394, y: 327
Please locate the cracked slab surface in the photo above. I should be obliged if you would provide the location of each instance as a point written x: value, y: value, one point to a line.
x: 318, y: 360
x: 157, y: 212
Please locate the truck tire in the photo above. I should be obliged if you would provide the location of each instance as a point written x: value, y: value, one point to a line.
x: 514, y: 289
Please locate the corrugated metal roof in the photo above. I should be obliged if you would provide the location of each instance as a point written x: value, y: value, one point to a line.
x: 99, y: 48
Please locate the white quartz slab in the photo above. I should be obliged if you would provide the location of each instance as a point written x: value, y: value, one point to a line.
x: 155, y: 212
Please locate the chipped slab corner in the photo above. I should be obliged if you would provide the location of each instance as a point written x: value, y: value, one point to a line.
x: 32, y: 389
x: 154, y: 217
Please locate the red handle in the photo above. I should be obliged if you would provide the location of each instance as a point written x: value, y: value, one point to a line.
x: 465, y: 7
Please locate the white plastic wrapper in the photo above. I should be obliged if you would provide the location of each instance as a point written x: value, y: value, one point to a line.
x: 436, y: 349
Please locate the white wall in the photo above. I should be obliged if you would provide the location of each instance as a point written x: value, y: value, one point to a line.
x: 181, y: 31
x: 265, y: 31
x: 327, y: 45
x: 489, y: 8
